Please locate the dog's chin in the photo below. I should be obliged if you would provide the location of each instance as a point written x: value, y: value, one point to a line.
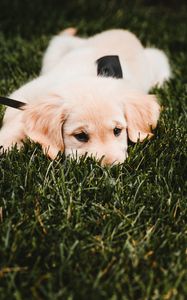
x: 104, y: 160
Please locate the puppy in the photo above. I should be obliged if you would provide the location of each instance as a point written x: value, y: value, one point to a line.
x: 74, y: 107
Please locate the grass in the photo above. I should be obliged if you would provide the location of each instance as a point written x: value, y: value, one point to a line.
x: 76, y: 230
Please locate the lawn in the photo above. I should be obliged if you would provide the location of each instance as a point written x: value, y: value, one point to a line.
x: 77, y: 230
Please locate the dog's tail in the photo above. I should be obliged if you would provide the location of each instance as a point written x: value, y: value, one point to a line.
x: 159, y: 66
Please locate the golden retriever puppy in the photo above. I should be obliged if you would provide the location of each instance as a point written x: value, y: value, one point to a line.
x: 90, y: 95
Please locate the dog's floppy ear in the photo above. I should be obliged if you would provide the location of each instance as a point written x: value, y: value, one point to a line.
x: 43, y: 124
x: 142, y: 113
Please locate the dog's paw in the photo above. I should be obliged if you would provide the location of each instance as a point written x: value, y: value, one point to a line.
x: 7, y: 146
x: 69, y: 31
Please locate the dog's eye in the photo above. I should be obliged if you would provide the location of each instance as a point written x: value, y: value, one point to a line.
x: 82, y: 137
x: 117, y: 131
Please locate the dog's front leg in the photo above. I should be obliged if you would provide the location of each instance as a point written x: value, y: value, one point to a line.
x: 12, y: 132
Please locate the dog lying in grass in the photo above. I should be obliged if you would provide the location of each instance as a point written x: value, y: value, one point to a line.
x: 91, y: 94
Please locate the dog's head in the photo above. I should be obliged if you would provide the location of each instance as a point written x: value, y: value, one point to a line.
x: 92, y: 117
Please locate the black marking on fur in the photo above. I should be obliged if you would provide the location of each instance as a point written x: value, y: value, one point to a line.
x: 109, y: 66
x: 12, y: 103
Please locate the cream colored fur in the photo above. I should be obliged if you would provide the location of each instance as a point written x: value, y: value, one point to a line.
x: 69, y: 98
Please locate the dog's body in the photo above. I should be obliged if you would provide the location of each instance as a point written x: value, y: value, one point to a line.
x: 95, y: 111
